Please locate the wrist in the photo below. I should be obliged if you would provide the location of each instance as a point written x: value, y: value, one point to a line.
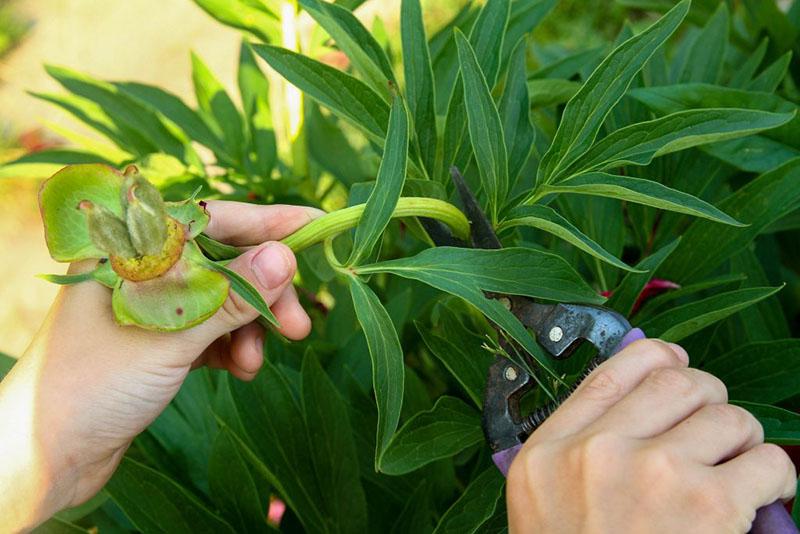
x: 42, y: 477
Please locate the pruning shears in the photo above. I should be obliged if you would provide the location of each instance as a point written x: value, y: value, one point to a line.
x: 560, y: 329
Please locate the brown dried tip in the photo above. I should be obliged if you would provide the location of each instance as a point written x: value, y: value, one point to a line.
x: 131, y: 170
x: 85, y: 205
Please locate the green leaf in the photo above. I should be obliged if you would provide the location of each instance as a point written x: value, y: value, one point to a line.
x: 568, y: 66
x: 420, y: 92
x: 780, y: 426
x: 744, y: 72
x: 769, y: 80
x: 218, y: 109
x: 651, y: 307
x: 238, y: 490
x: 441, y: 432
x: 186, y: 295
x: 753, y: 154
x: 705, y: 246
x: 485, y: 128
x: 766, y: 371
x: 672, y: 98
x: 174, y: 109
x: 548, y: 220
x: 102, y: 274
x: 388, y: 185
x: 356, y: 42
x: 551, y: 92
x: 768, y: 16
x: 707, y: 53
x: 475, y: 506
x: 245, y: 290
x: 127, y: 114
x: 640, y: 191
x: 254, y: 90
x: 344, y: 95
x: 638, y: 144
x: 56, y: 525
x: 215, y: 250
x: 467, y: 362
x: 46, y: 163
x: 387, y: 361
x: 624, y: 297
x: 525, y: 16
x: 587, y: 110
x: 334, y: 458
x: 515, y: 109
x: 6, y: 363
x: 683, y: 321
x: 486, y: 38
x: 329, y: 148
x: 150, y: 500
x: 243, y: 16
x: 515, y: 271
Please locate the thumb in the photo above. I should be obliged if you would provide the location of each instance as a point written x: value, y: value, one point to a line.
x: 269, y: 268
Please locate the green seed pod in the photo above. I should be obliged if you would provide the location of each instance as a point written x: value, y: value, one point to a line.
x: 107, y: 231
x: 146, y: 217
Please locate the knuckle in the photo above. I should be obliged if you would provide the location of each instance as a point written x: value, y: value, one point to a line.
x: 776, y: 457
x: 659, y: 465
x: 674, y: 381
x: 236, y: 310
x: 604, y: 385
x: 713, y: 385
x: 711, y: 498
x: 602, y: 448
x: 660, y: 352
x: 731, y: 416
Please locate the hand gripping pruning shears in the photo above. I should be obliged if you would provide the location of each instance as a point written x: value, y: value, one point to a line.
x: 560, y: 329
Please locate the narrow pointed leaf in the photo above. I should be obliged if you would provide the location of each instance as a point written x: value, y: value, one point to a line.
x: 239, y: 14
x: 525, y: 16
x: 707, y: 53
x: 706, y: 245
x: 780, y: 426
x: 485, y: 128
x: 150, y: 500
x: 767, y: 371
x: 420, y: 91
x: 515, y: 109
x: 683, y: 321
x: 640, y: 191
x: 638, y: 144
x: 586, y: 111
x: 475, y: 506
x: 744, y: 73
x: 441, y: 432
x: 548, y: 220
x: 625, y: 295
x: 388, y: 185
x: 245, y: 289
x: 346, y: 96
x: 218, y: 108
x: 467, y: 362
x: 769, y: 80
x: 352, y: 38
x: 387, y: 361
x: 517, y: 271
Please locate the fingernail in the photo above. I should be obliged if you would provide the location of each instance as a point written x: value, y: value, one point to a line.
x: 314, y: 213
x: 680, y: 351
x: 272, y: 266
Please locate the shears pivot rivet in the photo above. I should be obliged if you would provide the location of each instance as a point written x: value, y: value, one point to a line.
x: 556, y: 334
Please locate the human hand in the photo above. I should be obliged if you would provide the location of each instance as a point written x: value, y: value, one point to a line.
x: 646, y: 444
x: 86, y: 386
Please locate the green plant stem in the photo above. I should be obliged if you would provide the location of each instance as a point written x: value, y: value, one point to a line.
x: 341, y: 220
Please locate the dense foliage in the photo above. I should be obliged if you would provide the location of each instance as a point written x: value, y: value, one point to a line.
x: 671, y: 153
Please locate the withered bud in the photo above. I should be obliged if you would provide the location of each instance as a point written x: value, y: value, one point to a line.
x: 107, y: 231
x: 146, y: 217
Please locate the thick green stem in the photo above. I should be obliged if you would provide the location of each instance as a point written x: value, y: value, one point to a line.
x: 341, y: 220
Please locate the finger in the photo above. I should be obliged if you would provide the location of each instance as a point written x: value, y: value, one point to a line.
x: 295, y: 322
x: 270, y: 268
x: 247, y: 351
x: 609, y: 383
x: 242, y: 224
x: 759, y: 476
x: 216, y: 356
x: 663, y: 399
x: 714, y: 433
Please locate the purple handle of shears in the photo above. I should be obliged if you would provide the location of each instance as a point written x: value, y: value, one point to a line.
x: 771, y: 519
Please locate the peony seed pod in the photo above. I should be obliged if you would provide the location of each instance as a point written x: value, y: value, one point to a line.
x: 146, y: 217
x: 107, y: 231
